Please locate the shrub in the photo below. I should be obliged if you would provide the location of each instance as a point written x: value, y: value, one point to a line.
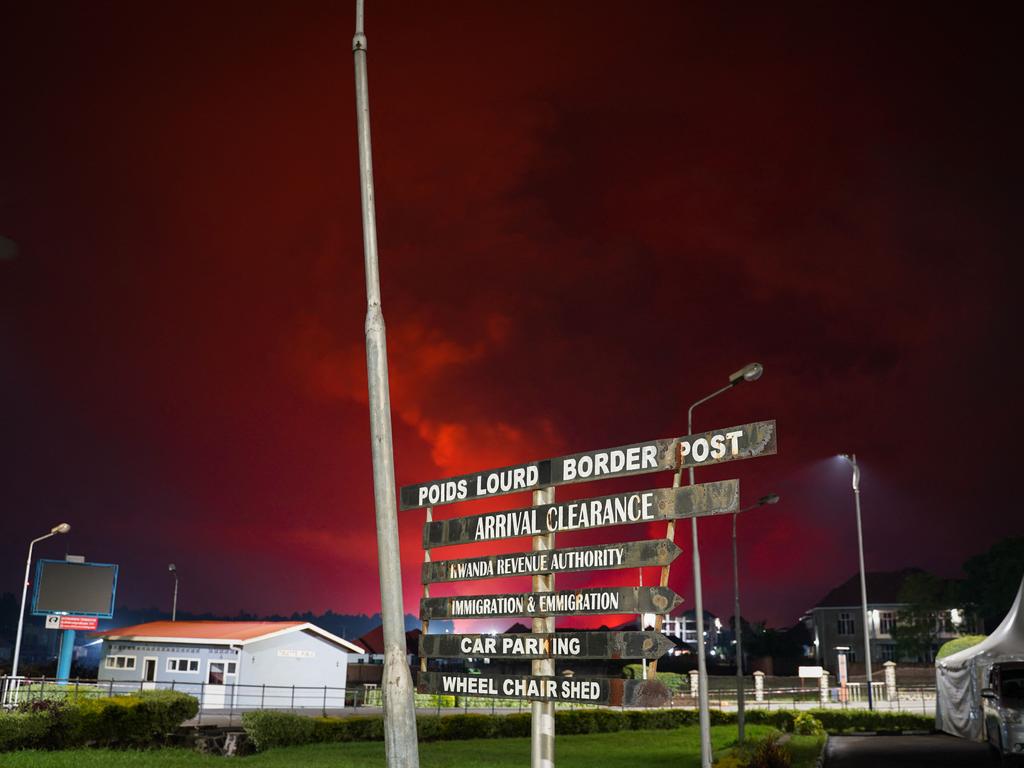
x: 267, y: 729
x: 807, y: 724
x: 770, y: 753
x: 958, y: 644
x: 468, y: 727
x: 513, y: 725
x: 23, y: 730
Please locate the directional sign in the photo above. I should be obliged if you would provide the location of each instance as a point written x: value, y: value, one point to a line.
x: 730, y: 444
x: 617, y: 509
x: 561, y: 645
x: 633, y: 554
x: 564, y: 603
x: 588, y: 690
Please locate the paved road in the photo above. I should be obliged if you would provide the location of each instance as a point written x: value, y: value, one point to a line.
x: 905, y: 752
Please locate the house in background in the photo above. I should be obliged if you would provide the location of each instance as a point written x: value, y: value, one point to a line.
x: 231, y: 663
x: 838, y: 621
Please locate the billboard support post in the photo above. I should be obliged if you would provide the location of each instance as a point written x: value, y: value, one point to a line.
x: 67, y: 650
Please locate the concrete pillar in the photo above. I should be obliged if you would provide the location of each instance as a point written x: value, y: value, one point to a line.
x: 823, y: 687
x: 694, y: 683
x: 759, y: 686
x: 890, y: 680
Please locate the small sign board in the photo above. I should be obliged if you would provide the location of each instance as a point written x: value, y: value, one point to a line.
x: 632, y: 554
x: 564, y: 603
x: 720, y: 445
x: 85, y: 623
x: 560, y: 645
x: 586, y: 690
x: 617, y: 509
x: 814, y: 672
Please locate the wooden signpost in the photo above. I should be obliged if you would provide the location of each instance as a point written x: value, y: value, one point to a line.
x: 617, y: 509
x: 541, y: 521
x: 586, y: 690
x: 565, y: 603
x: 630, y: 554
x: 715, y: 447
x: 561, y: 645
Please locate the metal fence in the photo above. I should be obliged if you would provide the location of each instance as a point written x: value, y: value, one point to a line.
x: 230, y: 700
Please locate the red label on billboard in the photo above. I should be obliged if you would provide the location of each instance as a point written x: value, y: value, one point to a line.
x: 79, y: 622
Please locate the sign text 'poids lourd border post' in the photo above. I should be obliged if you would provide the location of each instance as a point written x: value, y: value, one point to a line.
x: 717, y: 446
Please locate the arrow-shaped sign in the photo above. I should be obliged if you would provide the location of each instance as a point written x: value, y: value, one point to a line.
x: 698, y: 450
x: 617, y: 509
x: 632, y: 554
x: 588, y: 690
x: 561, y: 645
x: 564, y: 603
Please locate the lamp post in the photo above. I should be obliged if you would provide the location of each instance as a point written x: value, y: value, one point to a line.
x: 174, y: 605
x: 852, y: 458
x: 771, y: 498
x: 751, y: 372
x: 59, y: 528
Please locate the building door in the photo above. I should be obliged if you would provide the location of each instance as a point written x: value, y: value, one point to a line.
x: 219, y: 675
x: 149, y: 673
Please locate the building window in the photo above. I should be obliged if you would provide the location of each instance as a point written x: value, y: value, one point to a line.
x: 120, y: 662
x: 845, y: 623
x: 886, y: 622
x: 887, y: 651
x: 183, y: 665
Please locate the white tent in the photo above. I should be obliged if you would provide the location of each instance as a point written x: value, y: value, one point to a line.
x: 959, y: 678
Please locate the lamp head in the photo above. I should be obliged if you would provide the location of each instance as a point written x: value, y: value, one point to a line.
x: 750, y: 372
x: 771, y: 498
x: 60, y: 528
x: 172, y: 568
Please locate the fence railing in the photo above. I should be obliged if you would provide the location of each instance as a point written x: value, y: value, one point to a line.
x: 232, y: 699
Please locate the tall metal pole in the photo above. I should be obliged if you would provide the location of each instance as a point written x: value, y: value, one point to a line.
x: 863, y: 582
x: 174, y: 605
x: 59, y: 528
x: 542, y: 722
x: 399, y: 707
x: 21, y: 614
x: 740, y: 703
x: 704, y: 708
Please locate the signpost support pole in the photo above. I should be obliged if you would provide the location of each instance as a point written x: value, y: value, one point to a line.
x: 67, y: 650
x: 399, y: 708
x: 426, y: 591
x: 542, y: 724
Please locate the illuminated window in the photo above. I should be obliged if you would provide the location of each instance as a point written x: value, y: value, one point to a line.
x: 886, y: 622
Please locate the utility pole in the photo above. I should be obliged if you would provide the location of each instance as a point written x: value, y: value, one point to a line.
x: 399, y: 707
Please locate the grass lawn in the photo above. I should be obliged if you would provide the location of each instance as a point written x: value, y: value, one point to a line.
x: 652, y: 749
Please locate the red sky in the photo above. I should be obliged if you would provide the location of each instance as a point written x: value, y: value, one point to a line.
x: 589, y: 215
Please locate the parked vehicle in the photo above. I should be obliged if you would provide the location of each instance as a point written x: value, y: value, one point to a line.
x: 1002, y: 704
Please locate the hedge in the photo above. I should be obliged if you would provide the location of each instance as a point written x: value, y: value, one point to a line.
x: 958, y: 644
x: 270, y: 729
x: 141, y: 719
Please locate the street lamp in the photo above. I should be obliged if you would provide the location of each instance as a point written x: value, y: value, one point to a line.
x: 852, y: 458
x: 771, y: 498
x: 751, y: 372
x: 174, y: 606
x: 59, y: 528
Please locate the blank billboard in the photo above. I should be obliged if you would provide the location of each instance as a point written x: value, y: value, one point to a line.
x: 86, y: 589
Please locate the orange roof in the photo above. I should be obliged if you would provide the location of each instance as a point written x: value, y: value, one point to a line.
x: 202, y: 630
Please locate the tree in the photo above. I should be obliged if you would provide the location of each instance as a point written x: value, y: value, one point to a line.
x: 928, y: 600
x: 993, y: 579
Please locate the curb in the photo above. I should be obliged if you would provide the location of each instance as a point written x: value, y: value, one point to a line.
x: 820, y: 762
